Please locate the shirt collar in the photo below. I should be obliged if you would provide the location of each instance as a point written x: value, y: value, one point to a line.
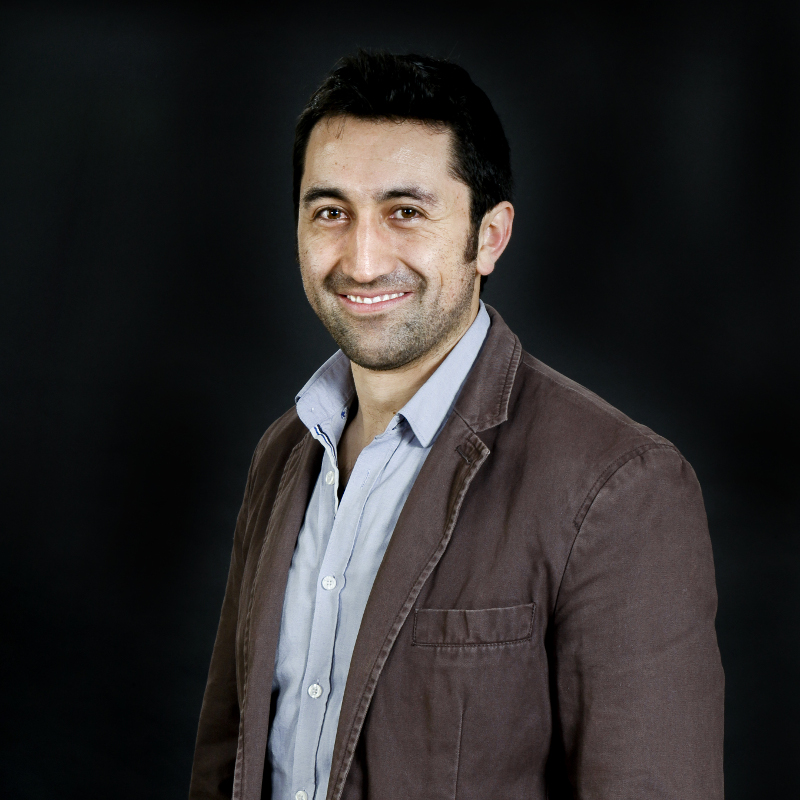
x: 325, y: 398
x: 327, y: 394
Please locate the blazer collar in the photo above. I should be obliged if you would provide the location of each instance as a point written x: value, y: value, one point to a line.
x: 483, y: 402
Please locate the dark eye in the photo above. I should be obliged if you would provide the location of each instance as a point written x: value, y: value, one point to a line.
x: 330, y: 214
x: 407, y: 213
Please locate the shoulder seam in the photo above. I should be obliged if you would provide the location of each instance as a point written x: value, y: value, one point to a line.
x: 609, y: 471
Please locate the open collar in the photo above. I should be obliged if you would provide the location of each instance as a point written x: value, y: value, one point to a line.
x: 325, y: 398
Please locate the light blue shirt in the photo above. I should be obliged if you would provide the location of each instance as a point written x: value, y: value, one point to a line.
x: 338, y: 552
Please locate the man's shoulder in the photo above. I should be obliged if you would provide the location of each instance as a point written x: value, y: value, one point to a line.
x: 573, y: 422
x: 280, y: 439
x: 571, y: 442
x: 530, y: 405
x: 555, y: 391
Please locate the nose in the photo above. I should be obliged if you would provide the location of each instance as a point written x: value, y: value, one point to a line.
x: 368, y: 253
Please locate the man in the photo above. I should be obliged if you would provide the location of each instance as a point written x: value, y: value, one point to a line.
x: 455, y: 572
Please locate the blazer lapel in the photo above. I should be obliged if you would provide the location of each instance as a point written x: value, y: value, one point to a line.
x: 265, y: 607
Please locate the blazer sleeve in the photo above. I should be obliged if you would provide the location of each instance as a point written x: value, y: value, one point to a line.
x: 638, y: 682
x: 218, y: 728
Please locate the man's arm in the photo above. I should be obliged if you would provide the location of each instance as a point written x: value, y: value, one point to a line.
x: 218, y: 729
x: 638, y: 683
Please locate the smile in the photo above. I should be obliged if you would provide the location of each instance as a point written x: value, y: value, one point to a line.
x: 363, y: 304
x: 357, y: 298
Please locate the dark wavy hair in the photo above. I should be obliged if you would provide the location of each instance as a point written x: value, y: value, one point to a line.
x: 375, y: 84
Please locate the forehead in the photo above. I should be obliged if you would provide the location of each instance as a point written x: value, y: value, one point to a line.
x: 352, y: 150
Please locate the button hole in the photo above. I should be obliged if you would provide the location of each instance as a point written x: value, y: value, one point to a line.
x: 466, y: 458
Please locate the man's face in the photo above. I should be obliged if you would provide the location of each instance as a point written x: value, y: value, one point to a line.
x: 380, y: 214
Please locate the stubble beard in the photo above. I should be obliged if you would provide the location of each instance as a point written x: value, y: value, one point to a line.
x: 396, y: 343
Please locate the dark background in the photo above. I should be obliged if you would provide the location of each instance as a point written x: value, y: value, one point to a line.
x: 154, y: 324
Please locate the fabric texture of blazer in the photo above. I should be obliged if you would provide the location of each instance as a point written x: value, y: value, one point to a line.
x: 541, y: 626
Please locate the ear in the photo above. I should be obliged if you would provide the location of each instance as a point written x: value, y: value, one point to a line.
x: 494, y: 235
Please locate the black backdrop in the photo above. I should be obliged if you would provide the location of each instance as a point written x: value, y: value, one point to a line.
x: 154, y: 323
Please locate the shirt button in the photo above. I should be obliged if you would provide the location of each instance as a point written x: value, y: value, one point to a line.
x: 328, y: 582
x: 329, y: 478
x: 301, y: 795
x: 315, y: 690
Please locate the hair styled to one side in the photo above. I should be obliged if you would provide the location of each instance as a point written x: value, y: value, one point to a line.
x: 377, y: 85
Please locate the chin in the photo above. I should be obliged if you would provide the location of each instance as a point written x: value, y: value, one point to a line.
x: 380, y: 361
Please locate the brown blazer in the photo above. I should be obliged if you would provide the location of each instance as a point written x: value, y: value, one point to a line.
x: 542, y: 624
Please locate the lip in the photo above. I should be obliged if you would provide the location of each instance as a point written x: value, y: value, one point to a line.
x: 372, y: 308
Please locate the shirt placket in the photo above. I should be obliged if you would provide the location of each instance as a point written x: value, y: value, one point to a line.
x: 330, y: 583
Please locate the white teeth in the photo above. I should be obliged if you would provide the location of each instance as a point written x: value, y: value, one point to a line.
x: 369, y: 300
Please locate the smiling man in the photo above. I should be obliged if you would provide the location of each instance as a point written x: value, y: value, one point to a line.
x: 455, y: 573
x: 386, y: 254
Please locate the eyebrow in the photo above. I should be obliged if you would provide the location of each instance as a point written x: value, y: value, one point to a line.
x: 411, y: 192
x: 314, y: 193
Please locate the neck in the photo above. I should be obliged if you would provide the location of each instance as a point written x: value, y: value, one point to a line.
x: 382, y: 394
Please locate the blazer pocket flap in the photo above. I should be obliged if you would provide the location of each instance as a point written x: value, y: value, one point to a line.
x: 457, y: 627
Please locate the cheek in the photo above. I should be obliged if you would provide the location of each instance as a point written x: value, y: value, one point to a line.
x: 442, y: 259
x: 430, y: 250
x: 320, y: 243
x: 312, y: 272
x: 315, y: 251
